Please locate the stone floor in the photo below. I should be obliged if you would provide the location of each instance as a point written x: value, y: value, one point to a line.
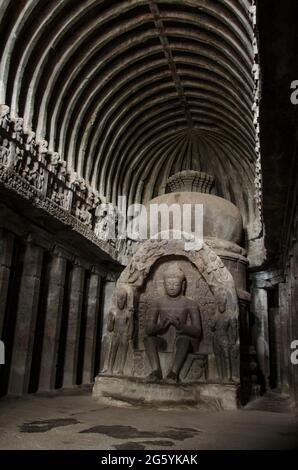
x: 75, y: 421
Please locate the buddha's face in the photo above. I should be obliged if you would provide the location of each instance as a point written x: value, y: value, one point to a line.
x: 173, y: 286
x: 121, y: 299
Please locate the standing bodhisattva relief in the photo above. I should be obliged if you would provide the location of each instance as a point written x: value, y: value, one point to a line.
x: 225, y: 329
x: 120, y: 326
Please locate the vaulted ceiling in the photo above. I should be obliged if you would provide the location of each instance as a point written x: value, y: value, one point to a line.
x: 131, y: 91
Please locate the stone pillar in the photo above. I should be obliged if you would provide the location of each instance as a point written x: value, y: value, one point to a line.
x: 53, y: 316
x: 108, y: 289
x: 93, y: 312
x: 284, y: 336
x: 6, y: 252
x: 291, y: 337
x: 26, y: 320
x: 244, y: 324
x: 261, y: 339
x: 294, y: 274
x: 244, y: 327
x: 274, y: 338
x: 73, y: 327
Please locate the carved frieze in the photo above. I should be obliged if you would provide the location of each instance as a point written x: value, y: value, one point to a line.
x: 34, y: 172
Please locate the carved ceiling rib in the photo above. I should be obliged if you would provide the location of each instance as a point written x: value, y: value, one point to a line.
x: 131, y: 91
x: 169, y: 56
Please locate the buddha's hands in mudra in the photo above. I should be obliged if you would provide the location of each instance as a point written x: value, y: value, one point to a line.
x: 175, y: 321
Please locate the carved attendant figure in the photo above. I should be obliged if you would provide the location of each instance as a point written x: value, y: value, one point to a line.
x: 4, y: 152
x: 120, y: 324
x: 225, y: 339
x: 172, y: 309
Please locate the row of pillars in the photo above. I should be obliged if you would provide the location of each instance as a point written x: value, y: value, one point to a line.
x: 272, y: 333
x: 275, y: 309
x: 49, y: 318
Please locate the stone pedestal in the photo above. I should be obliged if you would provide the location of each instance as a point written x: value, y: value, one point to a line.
x: 127, y: 392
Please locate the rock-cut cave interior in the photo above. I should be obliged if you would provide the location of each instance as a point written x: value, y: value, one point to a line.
x: 148, y: 224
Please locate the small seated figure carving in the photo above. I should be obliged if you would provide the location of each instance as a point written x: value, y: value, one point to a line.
x: 172, y: 309
x: 120, y: 325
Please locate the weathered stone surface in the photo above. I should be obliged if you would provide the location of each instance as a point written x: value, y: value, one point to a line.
x: 128, y: 392
x: 222, y: 219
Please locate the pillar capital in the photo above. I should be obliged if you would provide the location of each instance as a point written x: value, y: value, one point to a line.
x: 96, y: 270
x: 61, y: 252
x: 79, y: 262
x: 39, y: 239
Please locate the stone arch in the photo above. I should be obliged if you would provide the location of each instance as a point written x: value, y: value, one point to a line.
x: 207, y: 262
